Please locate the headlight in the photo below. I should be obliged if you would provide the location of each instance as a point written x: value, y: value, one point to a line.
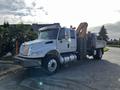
x: 26, y: 49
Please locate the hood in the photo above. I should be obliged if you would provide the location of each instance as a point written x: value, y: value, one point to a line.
x: 38, y: 41
x: 36, y: 46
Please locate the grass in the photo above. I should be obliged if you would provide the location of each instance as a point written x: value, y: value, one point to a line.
x: 106, y: 49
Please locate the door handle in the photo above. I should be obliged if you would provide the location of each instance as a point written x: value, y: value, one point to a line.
x: 68, y: 45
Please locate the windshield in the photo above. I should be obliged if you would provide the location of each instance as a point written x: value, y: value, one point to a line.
x: 48, y: 34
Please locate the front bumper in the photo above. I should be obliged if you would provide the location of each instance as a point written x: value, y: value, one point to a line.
x: 28, y: 62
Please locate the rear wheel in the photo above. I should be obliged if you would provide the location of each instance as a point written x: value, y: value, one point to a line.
x: 98, y: 54
x: 51, y: 64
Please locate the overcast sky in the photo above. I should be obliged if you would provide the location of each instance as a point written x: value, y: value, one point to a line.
x: 67, y: 12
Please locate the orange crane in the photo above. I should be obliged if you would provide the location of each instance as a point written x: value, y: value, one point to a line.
x: 82, y: 29
x: 81, y: 39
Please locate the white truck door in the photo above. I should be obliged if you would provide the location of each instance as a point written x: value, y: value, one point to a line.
x: 66, y: 41
x: 62, y: 42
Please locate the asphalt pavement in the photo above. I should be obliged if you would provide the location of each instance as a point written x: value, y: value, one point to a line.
x: 87, y: 75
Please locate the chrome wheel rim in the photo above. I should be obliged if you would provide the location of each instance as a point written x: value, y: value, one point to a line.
x: 52, y: 65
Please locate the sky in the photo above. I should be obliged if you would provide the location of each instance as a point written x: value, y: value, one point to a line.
x: 66, y: 12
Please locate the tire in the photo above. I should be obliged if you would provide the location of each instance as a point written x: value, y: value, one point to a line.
x: 51, y: 64
x: 98, y: 55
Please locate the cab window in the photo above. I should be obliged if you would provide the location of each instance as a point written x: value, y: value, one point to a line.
x: 61, y: 34
x: 72, y: 34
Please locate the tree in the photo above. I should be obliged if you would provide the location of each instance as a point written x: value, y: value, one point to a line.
x: 6, y: 24
x: 103, y: 34
x: 119, y: 41
x: 23, y: 33
x: 4, y: 39
x: 9, y: 34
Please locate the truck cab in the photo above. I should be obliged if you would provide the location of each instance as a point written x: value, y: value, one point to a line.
x: 52, y: 38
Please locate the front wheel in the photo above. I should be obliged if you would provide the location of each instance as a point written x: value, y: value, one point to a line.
x: 51, y: 64
x: 98, y: 54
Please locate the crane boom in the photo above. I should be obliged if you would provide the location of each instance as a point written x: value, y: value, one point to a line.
x: 81, y: 39
x: 82, y: 29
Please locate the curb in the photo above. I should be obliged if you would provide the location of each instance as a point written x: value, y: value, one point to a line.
x: 6, y: 72
x: 6, y: 62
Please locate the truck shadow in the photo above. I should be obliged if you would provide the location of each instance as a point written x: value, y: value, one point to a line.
x: 90, y: 74
x: 92, y: 67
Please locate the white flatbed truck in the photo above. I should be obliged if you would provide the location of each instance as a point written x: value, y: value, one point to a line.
x: 56, y: 46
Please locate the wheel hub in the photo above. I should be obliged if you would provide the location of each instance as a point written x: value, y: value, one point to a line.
x: 52, y: 65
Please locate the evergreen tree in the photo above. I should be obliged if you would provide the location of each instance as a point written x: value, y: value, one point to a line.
x: 103, y: 34
x: 119, y: 41
x: 10, y: 33
x: 6, y: 24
